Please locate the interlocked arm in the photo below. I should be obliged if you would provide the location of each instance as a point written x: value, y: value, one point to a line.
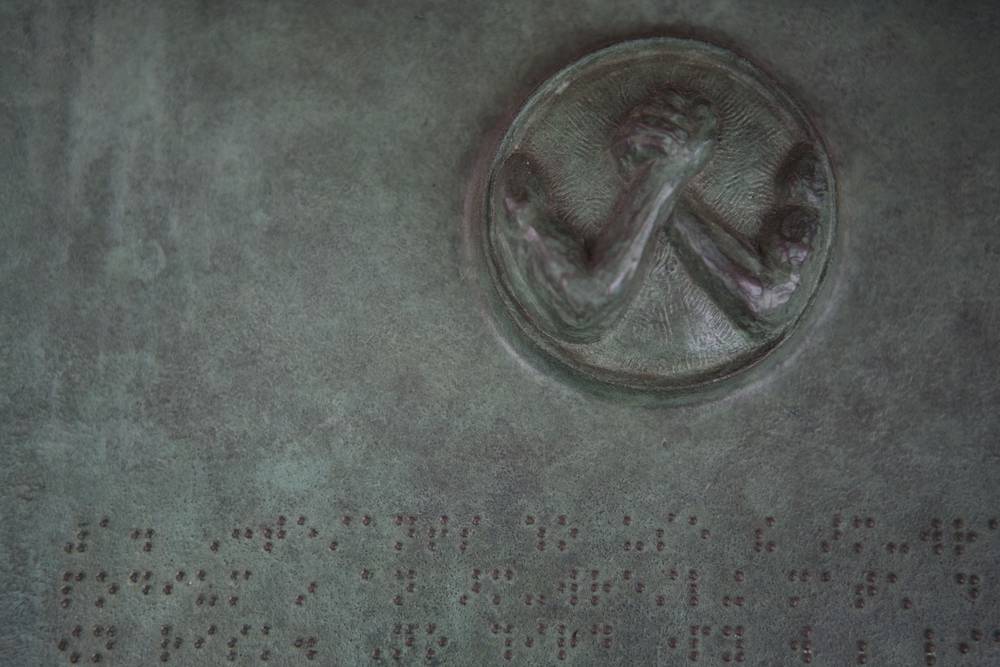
x: 753, y: 279
x: 575, y: 292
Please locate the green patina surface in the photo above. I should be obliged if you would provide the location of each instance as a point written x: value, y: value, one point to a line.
x: 231, y: 288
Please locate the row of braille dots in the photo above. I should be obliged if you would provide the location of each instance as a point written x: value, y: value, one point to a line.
x: 805, y: 577
x: 409, y: 632
x: 269, y: 533
x: 759, y: 544
x: 699, y: 632
x: 959, y: 535
x: 542, y: 533
x: 693, y: 587
x: 280, y: 532
x: 601, y: 634
x: 976, y: 635
x: 838, y: 532
x: 869, y: 588
x: 79, y: 543
x: 145, y: 535
x: 692, y: 584
x: 66, y: 588
x: 306, y: 646
x: 735, y: 600
x: 101, y: 577
x: 577, y: 588
x: 137, y: 534
x: 804, y: 646
x: 970, y: 580
x: 311, y: 589
x: 639, y: 545
x: 104, y: 638
x: 434, y: 533
x: 693, y: 579
x: 410, y: 577
x: 506, y: 575
x: 146, y: 579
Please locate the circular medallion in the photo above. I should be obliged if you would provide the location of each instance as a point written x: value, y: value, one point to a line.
x: 657, y: 217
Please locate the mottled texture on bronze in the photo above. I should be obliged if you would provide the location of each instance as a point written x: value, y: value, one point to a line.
x: 257, y: 406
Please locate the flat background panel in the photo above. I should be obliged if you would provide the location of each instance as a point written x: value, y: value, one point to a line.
x: 232, y: 289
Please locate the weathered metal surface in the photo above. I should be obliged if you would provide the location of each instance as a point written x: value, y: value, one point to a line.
x: 255, y: 407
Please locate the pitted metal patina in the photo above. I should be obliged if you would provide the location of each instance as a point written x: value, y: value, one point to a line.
x: 252, y: 411
x: 658, y: 216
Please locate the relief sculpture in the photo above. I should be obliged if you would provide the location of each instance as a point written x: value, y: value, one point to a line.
x: 659, y: 215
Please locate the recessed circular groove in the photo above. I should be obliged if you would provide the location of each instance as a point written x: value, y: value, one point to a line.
x: 657, y: 219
